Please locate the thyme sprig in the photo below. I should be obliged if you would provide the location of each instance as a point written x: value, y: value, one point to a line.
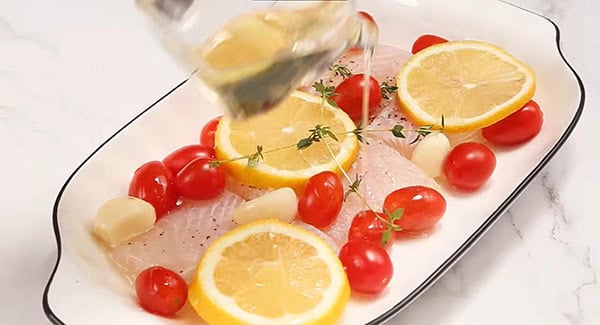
x: 340, y: 70
x: 326, y: 93
x: 398, y: 131
x: 254, y: 158
x: 358, y: 133
x: 422, y: 132
x: 391, y: 225
x: 387, y: 90
x: 353, y: 188
x: 425, y: 130
x: 318, y: 133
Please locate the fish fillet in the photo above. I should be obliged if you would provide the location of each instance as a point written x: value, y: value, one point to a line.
x: 178, y: 240
x: 383, y: 170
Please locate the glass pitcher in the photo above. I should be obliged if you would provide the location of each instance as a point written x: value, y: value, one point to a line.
x: 251, y: 54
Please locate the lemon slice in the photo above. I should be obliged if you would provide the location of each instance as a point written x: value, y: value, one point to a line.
x: 269, y: 272
x: 472, y: 84
x: 281, y: 128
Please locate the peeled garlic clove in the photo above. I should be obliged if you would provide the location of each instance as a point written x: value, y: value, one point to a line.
x: 281, y: 204
x: 429, y: 154
x: 123, y: 218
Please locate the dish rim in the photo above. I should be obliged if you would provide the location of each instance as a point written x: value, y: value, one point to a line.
x: 437, y: 273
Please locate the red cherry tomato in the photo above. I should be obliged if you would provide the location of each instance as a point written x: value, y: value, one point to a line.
x: 368, y: 226
x: 207, y: 136
x: 200, y: 181
x: 161, y: 291
x: 177, y: 159
x: 350, y: 93
x: 321, y: 201
x: 367, y: 265
x: 366, y: 17
x: 154, y: 183
x: 423, y: 207
x: 370, y: 26
x: 469, y: 165
x: 519, y: 127
x: 425, y: 41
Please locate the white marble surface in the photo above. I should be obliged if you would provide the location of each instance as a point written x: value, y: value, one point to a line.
x: 72, y: 72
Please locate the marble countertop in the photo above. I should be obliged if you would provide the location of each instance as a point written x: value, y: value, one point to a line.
x: 63, y: 64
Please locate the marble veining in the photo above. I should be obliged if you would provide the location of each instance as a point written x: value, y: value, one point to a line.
x: 511, y: 216
x: 576, y: 316
x: 8, y: 32
x: 561, y: 220
x: 554, y: 9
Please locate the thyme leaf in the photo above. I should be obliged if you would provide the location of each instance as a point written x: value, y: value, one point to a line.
x: 316, y: 135
x: 340, y: 70
x: 353, y: 188
x: 387, y: 90
x: 386, y: 236
x: 391, y: 225
x: 303, y: 144
x: 255, y: 158
x: 326, y: 92
x: 397, y: 131
x: 395, y: 215
x: 422, y: 131
x: 332, y: 102
x: 358, y: 133
x: 326, y: 132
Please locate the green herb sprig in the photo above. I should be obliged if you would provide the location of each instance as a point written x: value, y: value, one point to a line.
x: 387, y: 90
x: 326, y: 93
x: 340, y: 70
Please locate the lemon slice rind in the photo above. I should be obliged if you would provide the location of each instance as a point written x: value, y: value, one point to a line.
x: 265, y: 175
x: 456, y: 123
x: 217, y: 308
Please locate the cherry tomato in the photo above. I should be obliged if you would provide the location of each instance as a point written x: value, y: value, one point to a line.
x: 350, y: 93
x: 371, y: 29
x: 161, y: 291
x: 207, y: 136
x: 177, y: 159
x: 425, y: 41
x: 366, y: 17
x: 321, y: 201
x: 368, y: 226
x: 423, y: 207
x: 519, y: 127
x: 368, y: 266
x: 469, y: 165
x: 199, y: 180
x: 154, y: 183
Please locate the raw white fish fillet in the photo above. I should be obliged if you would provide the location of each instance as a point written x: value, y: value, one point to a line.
x: 385, y: 65
x: 392, y: 115
x: 335, y: 245
x: 245, y: 191
x: 387, y: 62
x: 178, y: 240
x: 384, y: 170
x: 458, y: 138
x: 389, y: 117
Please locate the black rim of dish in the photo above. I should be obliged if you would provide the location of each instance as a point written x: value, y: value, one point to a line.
x: 436, y: 274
